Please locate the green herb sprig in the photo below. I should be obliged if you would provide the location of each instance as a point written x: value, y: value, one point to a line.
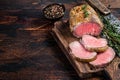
x: 110, y: 32
x: 84, y: 8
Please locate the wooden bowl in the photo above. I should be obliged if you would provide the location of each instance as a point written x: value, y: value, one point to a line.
x: 54, y: 11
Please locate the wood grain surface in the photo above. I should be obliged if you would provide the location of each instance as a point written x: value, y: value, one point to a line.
x: 28, y: 50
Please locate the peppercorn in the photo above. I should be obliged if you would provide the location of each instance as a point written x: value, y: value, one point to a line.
x: 54, y: 11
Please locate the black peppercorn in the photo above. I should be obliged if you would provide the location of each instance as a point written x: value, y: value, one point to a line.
x: 54, y: 11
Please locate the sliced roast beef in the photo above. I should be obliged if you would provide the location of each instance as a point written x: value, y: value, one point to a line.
x: 104, y: 58
x: 94, y: 44
x: 80, y: 53
x: 81, y: 24
x: 90, y: 28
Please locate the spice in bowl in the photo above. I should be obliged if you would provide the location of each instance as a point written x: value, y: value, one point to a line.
x: 54, y: 11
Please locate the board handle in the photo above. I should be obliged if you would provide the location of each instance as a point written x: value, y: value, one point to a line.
x: 113, y: 69
x: 100, y: 6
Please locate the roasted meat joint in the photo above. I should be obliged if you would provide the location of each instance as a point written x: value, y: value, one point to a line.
x: 86, y: 25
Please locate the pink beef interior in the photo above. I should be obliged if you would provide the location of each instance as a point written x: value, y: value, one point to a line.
x: 91, y: 28
x: 79, y: 51
x: 104, y: 58
x: 93, y: 42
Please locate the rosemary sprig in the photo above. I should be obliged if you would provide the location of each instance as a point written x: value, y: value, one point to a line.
x: 110, y: 32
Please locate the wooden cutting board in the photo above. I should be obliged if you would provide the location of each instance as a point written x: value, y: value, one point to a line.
x: 63, y: 37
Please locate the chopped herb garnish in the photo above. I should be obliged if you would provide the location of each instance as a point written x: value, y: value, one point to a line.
x: 84, y: 7
x: 86, y: 14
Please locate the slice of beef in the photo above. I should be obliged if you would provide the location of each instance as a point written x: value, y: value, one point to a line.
x: 104, y: 58
x: 92, y: 43
x: 90, y: 28
x: 80, y: 53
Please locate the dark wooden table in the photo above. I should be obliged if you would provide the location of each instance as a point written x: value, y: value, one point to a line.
x: 27, y: 49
